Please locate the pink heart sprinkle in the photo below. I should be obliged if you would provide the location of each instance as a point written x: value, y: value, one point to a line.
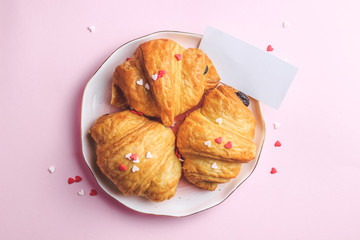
x: 127, y: 59
x: 277, y: 144
x: 178, y: 57
x: 133, y: 156
x: 228, y: 145
x: 273, y: 171
x: 269, y: 48
x: 122, y: 167
x: 161, y: 73
x: 218, y: 140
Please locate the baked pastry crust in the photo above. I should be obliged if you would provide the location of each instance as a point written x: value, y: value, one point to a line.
x: 238, y: 126
x: 121, y: 133
x: 178, y: 90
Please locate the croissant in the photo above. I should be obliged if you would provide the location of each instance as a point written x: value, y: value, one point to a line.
x: 216, y: 139
x: 163, y: 79
x: 137, y: 155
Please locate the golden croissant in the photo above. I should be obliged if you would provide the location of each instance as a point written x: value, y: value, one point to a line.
x: 215, y: 139
x: 163, y: 79
x: 137, y: 155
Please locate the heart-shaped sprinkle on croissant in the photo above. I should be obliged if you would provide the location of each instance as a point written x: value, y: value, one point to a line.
x: 136, y: 112
x: 214, y: 166
x: 154, y: 77
x: 148, y: 155
x: 147, y: 86
x: 136, y: 161
x: 219, y: 121
x: 161, y: 73
x: 178, y: 57
x: 128, y: 156
x: 207, y: 143
x: 140, y: 82
x: 133, y: 156
x: 122, y: 167
x: 218, y: 140
x: 135, y: 169
x: 228, y: 145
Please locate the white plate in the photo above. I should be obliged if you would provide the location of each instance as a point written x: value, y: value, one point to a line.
x: 96, y: 102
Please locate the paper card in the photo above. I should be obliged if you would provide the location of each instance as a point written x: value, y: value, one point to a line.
x: 253, y: 71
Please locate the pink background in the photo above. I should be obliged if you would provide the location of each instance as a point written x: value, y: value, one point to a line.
x: 47, y: 55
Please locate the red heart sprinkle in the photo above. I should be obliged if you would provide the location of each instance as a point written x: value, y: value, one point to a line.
x: 127, y: 59
x: 219, y: 140
x: 136, y: 112
x: 78, y: 179
x: 161, y: 73
x: 277, y: 144
x: 133, y: 156
x: 71, y: 180
x: 178, y: 57
x: 273, y: 171
x: 269, y: 48
x: 122, y: 167
x: 228, y: 144
x: 93, y: 192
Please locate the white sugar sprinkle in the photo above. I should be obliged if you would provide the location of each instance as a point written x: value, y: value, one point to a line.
x: 181, y: 160
x: 81, y: 193
x: 140, y: 82
x: 134, y: 169
x: 136, y: 161
x: 285, y: 24
x: 128, y: 156
x: 51, y: 169
x: 154, y: 77
x: 219, y: 121
x: 147, y: 86
x: 276, y: 125
x: 207, y: 143
x: 214, y: 166
x: 148, y: 155
x: 91, y: 28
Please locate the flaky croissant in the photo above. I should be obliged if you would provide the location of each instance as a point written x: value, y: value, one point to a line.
x: 215, y: 139
x: 163, y: 79
x: 137, y: 154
